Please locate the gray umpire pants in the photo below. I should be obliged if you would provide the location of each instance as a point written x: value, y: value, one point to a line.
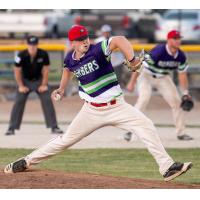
x: 20, y: 101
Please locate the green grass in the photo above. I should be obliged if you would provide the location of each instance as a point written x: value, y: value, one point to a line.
x: 132, y: 163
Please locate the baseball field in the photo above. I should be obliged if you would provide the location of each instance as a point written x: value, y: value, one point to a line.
x: 103, y: 159
x: 99, y: 168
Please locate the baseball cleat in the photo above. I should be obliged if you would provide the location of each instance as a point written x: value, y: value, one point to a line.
x: 176, y: 170
x: 17, y: 166
x: 128, y: 136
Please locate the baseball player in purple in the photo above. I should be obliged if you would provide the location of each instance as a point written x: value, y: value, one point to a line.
x: 164, y: 58
x: 104, y: 103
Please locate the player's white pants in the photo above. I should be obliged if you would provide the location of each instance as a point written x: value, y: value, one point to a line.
x: 168, y: 90
x: 120, y: 115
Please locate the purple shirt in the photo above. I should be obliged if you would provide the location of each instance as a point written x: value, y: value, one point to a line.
x: 162, y: 62
x: 94, y: 70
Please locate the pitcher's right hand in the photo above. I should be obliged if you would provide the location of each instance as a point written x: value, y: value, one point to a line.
x: 57, y: 92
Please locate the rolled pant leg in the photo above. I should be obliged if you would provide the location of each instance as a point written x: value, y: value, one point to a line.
x: 84, y: 123
x: 18, y: 110
x: 131, y: 119
x: 48, y: 109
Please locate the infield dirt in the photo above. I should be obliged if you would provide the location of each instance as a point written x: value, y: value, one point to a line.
x: 37, y: 179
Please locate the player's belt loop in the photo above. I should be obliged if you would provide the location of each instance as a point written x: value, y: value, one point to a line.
x: 154, y: 76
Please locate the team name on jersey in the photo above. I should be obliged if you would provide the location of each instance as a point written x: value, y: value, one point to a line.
x: 86, y: 69
x: 168, y: 63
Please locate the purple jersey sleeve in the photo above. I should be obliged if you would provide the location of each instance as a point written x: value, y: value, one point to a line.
x: 183, y: 62
x: 156, y: 52
x: 67, y: 60
x: 102, y: 51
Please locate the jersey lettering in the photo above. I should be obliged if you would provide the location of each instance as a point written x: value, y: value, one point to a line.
x: 168, y: 63
x: 86, y: 69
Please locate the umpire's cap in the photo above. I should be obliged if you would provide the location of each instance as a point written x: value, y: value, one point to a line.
x: 32, y: 40
x: 77, y: 32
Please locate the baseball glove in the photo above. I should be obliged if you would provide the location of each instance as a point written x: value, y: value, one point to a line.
x: 187, y: 104
x: 136, y: 64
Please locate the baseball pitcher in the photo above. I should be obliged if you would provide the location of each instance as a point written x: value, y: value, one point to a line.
x: 104, y: 103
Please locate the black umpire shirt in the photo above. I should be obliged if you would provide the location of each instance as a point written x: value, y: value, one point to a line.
x: 32, y: 69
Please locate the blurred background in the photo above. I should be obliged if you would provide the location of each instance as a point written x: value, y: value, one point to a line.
x: 144, y: 28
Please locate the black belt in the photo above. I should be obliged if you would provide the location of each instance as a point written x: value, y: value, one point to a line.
x: 34, y: 79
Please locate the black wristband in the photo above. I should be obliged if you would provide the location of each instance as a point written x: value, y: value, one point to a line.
x: 132, y: 59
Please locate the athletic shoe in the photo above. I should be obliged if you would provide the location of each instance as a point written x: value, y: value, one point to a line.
x: 184, y: 137
x: 56, y: 130
x: 176, y: 170
x: 128, y: 136
x: 17, y: 166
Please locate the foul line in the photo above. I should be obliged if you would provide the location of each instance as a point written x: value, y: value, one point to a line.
x: 68, y: 122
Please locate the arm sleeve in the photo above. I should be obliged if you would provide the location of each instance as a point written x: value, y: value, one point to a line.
x: 46, y: 59
x: 66, y: 63
x: 153, y: 56
x: 105, y: 47
x: 183, y: 65
x: 102, y: 50
x: 18, y: 60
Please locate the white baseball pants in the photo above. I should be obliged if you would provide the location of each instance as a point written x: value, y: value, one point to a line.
x: 90, y: 118
x: 168, y: 90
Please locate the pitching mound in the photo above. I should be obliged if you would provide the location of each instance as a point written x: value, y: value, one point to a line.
x: 52, y: 179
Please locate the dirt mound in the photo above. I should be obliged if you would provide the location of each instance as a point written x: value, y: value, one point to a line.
x: 52, y: 179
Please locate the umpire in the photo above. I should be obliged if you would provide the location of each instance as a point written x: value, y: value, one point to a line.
x: 31, y: 74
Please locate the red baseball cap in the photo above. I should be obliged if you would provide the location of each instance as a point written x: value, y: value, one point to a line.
x: 77, y: 32
x: 174, y: 34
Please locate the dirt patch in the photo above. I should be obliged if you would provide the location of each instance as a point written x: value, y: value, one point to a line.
x: 37, y: 179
